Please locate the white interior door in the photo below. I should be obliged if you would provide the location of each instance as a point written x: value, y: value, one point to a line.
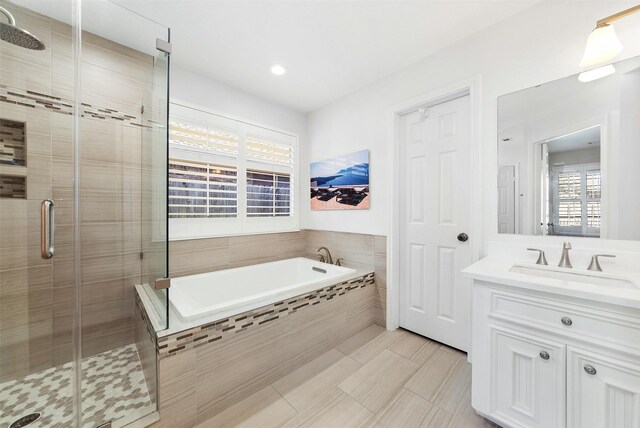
x: 507, y: 199
x: 435, y: 209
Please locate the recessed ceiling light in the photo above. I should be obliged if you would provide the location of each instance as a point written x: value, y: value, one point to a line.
x: 278, y: 70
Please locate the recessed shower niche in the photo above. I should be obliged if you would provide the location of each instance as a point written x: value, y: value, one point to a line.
x: 12, y: 143
x: 14, y: 187
x: 13, y: 159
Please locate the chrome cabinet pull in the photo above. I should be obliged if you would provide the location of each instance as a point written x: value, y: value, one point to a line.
x: 47, y: 229
x: 590, y: 370
x: 566, y: 321
x: 544, y: 355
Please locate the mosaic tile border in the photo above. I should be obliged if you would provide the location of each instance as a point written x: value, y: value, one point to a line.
x: 216, y: 330
x: 33, y: 99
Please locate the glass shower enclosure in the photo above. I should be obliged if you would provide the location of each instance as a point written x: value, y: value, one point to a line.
x: 83, y: 161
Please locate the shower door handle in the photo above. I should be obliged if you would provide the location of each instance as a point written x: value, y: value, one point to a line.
x: 47, y: 229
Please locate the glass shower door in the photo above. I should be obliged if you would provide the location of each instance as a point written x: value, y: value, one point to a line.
x: 122, y: 176
x: 122, y: 180
x: 38, y: 281
x: 154, y: 187
x: 82, y: 211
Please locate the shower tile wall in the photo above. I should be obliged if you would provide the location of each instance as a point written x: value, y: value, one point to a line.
x: 36, y: 295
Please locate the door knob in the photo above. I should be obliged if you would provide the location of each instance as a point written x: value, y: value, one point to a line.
x: 544, y: 355
x: 463, y: 237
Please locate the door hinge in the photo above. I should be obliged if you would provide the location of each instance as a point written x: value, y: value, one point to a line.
x: 141, y: 255
x: 162, y: 283
x: 163, y: 46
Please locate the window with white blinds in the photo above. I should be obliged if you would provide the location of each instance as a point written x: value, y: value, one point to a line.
x: 228, y: 177
x: 268, y: 151
x: 199, y: 189
x: 203, y: 138
x: 268, y: 194
x: 575, y: 200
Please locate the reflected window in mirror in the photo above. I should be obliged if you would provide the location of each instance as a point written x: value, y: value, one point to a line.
x: 568, y: 157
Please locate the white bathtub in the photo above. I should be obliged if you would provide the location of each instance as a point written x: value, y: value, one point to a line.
x: 220, y: 294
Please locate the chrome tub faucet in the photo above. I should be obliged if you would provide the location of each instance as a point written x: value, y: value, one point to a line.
x: 564, y: 261
x: 325, y: 258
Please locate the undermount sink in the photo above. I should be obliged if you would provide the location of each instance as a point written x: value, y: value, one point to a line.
x: 586, y: 277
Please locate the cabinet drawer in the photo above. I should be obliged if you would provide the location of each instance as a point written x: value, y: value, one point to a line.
x: 619, y: 327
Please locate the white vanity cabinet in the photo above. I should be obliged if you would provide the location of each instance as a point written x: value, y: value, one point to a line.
x: 545, y: 360
x: 601, y: 391
x: 528, y: 382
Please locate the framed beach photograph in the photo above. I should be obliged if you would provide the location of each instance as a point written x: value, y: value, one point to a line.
x: 341, y: 183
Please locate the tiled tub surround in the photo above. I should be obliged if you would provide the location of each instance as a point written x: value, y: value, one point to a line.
x: 36, y: 294
x: 361, y: 251
x: 207, y: 368
x: 216, y: 295
x: 171, y: 343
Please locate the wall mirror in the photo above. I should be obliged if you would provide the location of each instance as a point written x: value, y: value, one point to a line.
x: 569, y: 157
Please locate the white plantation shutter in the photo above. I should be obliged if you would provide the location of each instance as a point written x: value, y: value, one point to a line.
x: 569, y: 200
x: 202, y: 190
x: 576, y: 192
x: 211, y: 140
x: 268, y: 194
x: 228, y: 177
x: 594, y: 193
x: 268, y: 151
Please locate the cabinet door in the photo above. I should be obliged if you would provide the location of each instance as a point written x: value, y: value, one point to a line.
x: 528, y: 379
x: 603, y: 392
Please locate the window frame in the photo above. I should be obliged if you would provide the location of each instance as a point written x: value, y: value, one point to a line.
x: 197, y: 228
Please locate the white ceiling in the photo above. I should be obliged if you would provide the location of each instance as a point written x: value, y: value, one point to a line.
x: 330, y: 48
x: 583, y: 139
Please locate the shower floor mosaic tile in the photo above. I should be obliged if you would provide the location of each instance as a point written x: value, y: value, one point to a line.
x: 113, y: 386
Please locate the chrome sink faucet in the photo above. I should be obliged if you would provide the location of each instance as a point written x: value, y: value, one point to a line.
x: 323, y: 258
x: 542, y: 260
x: 595, y: 264
x: 564, y: 261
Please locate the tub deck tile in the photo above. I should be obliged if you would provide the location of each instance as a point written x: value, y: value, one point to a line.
x: 197, y: 336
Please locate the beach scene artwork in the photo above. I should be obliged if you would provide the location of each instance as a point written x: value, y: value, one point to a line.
x: 341, y: 183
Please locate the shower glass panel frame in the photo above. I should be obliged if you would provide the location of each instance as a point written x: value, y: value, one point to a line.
x: 83, y: 164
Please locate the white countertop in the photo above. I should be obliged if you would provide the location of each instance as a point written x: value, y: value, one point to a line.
x: 497, y: 270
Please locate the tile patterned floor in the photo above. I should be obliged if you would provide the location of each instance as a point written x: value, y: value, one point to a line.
x: 113, y: 386
x: 373, y: 379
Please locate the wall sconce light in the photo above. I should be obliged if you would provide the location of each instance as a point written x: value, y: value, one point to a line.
x: 603, y: 46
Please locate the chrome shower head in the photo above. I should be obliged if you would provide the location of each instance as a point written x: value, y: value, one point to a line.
x: 17, y: 36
